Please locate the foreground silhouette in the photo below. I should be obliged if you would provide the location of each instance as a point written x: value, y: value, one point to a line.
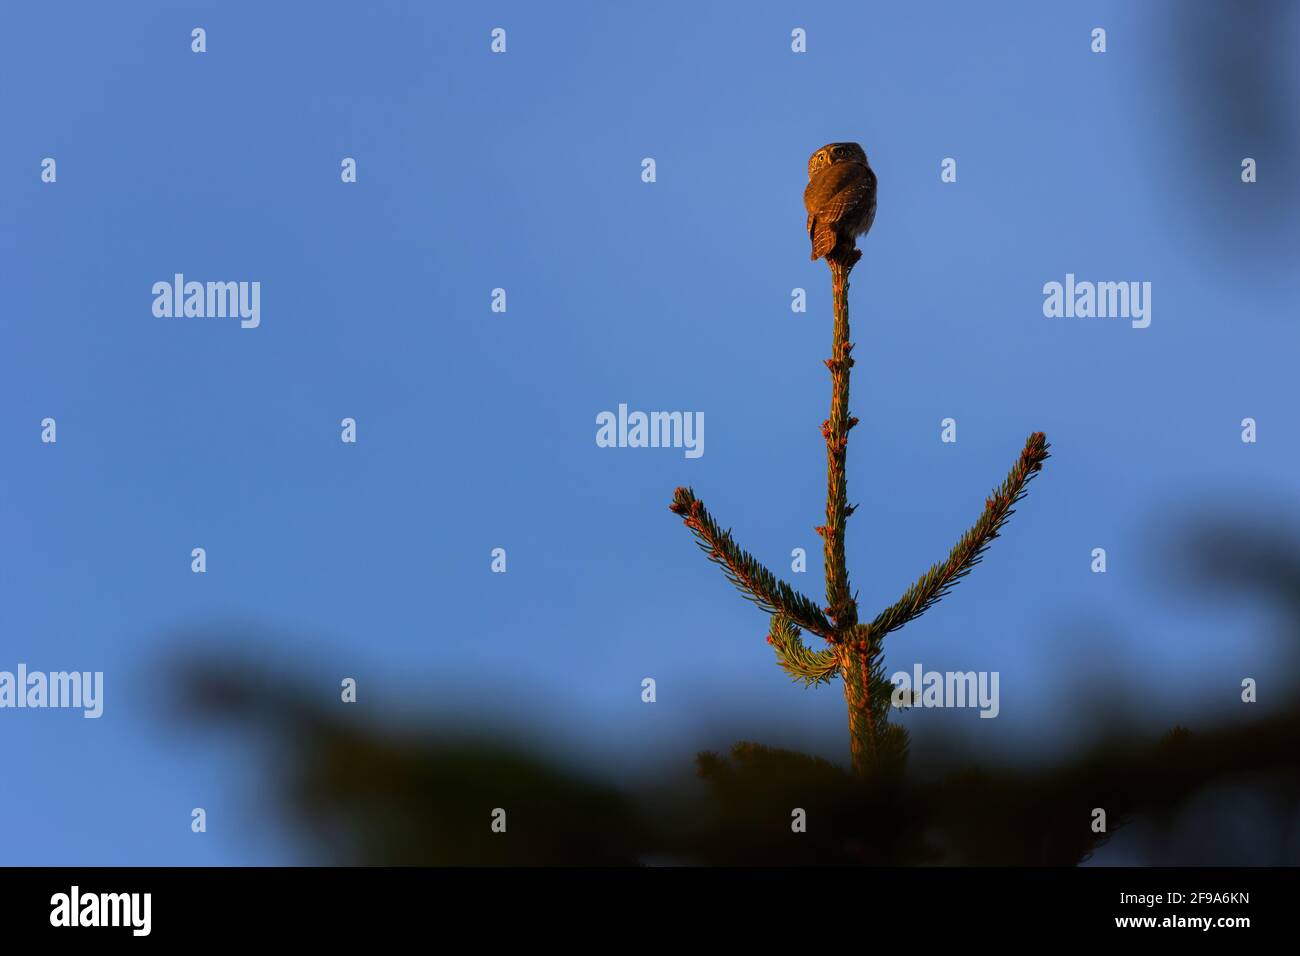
x: 401, y: 794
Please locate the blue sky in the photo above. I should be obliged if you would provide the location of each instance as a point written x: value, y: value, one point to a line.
x: 477, y: 429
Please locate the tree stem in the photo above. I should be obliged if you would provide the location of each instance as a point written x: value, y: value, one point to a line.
x: 855, y: 671
x: 841, y: 606
x: 855, y: 660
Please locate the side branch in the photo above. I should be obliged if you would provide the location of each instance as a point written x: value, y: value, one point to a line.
x: 757, y: 583
x: 969, y: 551
x: 796, y: 658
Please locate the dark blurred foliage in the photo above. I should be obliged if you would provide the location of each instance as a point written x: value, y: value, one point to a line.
x: 1258, y: 561
x: 400, y: 794
x: 390, y: 793
x: 1234, y: 92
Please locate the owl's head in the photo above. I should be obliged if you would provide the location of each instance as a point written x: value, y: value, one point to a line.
x: 836, y: 153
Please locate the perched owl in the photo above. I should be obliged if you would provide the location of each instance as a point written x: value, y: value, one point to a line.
x: 840, y: 198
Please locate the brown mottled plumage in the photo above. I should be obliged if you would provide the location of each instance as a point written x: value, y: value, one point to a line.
x: 840, y: 198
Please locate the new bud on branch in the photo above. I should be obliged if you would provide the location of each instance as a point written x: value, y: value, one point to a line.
x: 841, y: 203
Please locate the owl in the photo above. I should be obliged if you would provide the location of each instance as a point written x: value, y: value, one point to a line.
x: 840, y: 198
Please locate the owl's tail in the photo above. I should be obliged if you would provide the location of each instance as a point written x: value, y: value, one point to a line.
x: 823, y: 241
